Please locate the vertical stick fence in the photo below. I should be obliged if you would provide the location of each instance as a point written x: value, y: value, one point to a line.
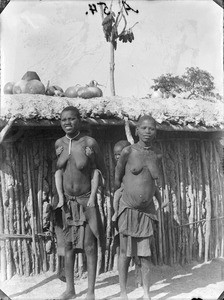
x: 191, y: 226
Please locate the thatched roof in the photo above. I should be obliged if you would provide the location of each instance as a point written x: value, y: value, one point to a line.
x: 176, y: 113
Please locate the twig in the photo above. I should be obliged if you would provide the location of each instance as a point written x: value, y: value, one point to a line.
x: 202, y: 220
x: 134, y: 25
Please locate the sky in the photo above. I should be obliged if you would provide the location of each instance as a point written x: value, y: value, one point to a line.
x: 66, y: 46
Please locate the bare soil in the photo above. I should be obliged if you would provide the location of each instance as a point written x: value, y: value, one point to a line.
x: 204, y: 281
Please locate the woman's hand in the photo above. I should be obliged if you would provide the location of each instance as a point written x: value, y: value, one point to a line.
x: 91, y: 202
x: 59, y: 150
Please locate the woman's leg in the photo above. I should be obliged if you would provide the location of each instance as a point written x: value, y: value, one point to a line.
x: 90, y: 246
x: 69, y: 272
x: 145, y: 269
x: 124, y: 262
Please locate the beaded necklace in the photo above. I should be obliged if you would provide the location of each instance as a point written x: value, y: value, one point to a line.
x: 70, y: 142
x: 144, y: 148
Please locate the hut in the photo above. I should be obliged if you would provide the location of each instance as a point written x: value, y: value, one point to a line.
x: 191, y: 226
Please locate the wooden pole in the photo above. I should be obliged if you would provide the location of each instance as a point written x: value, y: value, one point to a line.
x: 220, y: 193
x: 35, y: 257
x: 2, y: 220
x: 15, y: 166
x: 164, y: 247
x: 9, y: 213
x: 165, y: 200
x: 207, y: 201
x: 128, y: 131
x: 24, y: 196
x: 179, y: 207
x: 40, y: 205
x: 112, y: 68
x: 200, y: 205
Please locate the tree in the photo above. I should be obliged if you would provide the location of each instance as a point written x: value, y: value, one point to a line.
x: 198, y: 82
x: 195, y: 81
x: 168, y: 83
x: 110, y: 25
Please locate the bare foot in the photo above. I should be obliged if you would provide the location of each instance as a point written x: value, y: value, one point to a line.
x: 90, y: 296
x: 146, y: 297
x: 124, y: 296
x: 67, y: 295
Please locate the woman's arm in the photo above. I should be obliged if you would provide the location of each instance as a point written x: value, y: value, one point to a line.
x: 99, y: 160
x: 120, y: 167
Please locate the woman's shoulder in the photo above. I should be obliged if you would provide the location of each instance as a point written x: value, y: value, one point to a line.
x: 59, y: 142
x: 157, y: 151
x: 127, y: 150
x: 88, y: 141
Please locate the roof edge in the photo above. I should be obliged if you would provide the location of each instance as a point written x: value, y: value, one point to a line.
x: 165, y: 126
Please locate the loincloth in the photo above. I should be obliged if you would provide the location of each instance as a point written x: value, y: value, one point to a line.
x: 136, y: 226
x: 76, y: 215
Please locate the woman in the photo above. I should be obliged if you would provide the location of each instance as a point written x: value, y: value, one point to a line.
x: 82, y: 228
x: 137, y: 170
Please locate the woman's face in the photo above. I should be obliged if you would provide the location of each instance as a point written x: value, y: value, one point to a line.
x: 146, y: 131
x: 70, y: 122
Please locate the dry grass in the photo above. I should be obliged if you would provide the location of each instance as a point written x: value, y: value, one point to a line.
x: 172, y: 110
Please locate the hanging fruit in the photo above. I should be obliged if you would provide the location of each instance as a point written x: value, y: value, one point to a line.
x: 126, y: 36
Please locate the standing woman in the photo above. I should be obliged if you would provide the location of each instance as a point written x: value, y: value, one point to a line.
x: 137, y: 169
x: 81, y: 221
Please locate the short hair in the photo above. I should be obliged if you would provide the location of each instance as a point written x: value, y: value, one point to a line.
x: 123, y: 144
x: 74, y: 109
x: 145, y: 117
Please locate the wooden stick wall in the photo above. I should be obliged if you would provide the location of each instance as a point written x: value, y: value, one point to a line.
x: 191, y: 227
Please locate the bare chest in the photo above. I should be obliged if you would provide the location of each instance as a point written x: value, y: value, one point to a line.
x: 140, y: 161
x: 77, y: 157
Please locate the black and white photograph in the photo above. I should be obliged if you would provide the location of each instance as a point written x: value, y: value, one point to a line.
x: 111, y: 150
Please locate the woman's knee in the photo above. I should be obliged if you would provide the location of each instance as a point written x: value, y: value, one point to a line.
x: 122, y: 252
x: 90, y: 248
x: 68, y: 246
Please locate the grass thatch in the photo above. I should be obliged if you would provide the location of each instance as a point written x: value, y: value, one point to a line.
x: 177, y: 111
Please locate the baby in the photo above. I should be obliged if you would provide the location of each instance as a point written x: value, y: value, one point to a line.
x: 119, y: 146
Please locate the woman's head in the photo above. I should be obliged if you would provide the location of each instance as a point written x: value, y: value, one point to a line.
x: 146, y: 128
x: 70, y: 120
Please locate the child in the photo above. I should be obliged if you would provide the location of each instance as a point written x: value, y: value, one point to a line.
x: 119, y: 146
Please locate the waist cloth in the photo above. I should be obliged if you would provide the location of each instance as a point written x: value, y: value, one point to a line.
x: 135, y: 225
x: 76, y: 214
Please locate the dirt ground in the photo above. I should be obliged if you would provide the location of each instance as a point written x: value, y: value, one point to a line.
x: 205, y: 281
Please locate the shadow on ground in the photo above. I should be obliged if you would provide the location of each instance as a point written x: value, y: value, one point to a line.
x: 167, y: 282
x: 32, y: 288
